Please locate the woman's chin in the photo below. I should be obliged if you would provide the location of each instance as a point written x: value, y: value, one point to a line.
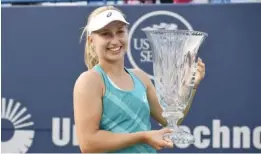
x: 116, y: 58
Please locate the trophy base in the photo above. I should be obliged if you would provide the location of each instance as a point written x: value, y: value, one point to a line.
x: 180, y: 137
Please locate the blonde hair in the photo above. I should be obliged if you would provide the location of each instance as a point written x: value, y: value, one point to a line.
x: 90, y: 56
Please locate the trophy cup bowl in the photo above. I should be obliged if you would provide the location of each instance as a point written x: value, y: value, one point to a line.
x: 174, y: 66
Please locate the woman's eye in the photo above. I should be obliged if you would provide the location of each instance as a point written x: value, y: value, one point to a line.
x: 105, y: 34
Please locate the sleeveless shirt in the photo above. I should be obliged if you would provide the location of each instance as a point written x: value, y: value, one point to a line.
x: 125, y: 111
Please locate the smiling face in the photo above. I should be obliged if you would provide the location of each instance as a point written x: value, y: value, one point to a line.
x: 110, y: 42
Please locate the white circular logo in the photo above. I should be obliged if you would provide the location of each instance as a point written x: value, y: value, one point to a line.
x: 17, y: 134
x: 138, y: 44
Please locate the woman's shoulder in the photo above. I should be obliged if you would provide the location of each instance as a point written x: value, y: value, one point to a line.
x: 88, y: 75
x: 88, y: 79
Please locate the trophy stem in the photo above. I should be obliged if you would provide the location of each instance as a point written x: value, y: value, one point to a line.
x: 172, y: 123
x: 179, y: 136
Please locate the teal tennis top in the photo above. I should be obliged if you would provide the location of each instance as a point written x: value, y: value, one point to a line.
x: 125, y: 111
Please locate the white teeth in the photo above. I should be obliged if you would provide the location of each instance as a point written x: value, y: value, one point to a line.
x: 115, y: 49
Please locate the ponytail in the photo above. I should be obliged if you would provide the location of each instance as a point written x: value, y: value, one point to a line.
x: 90, y: 56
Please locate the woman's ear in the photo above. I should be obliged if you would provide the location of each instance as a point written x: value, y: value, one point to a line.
x: 90, y: 42
x: 90, y: 39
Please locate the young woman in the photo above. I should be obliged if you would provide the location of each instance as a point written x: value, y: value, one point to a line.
x: 112, y: 104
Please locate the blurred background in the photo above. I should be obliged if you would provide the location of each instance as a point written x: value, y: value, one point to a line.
x: 42, y: 56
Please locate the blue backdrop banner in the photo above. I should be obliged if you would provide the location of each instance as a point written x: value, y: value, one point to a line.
x: 42, y: 56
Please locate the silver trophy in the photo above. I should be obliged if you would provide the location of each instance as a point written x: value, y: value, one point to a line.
x: 174, y: 65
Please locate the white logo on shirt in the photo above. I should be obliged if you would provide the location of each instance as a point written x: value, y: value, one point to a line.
x: 145, y: 97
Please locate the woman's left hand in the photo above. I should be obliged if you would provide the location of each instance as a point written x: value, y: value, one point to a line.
x: 200, y: 74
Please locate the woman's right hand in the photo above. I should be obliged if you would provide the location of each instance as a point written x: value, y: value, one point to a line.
x: 155, y: 139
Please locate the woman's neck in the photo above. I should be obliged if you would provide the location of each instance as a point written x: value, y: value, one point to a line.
x: 113, y: 69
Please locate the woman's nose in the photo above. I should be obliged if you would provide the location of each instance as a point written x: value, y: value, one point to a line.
x: 115, y: 39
